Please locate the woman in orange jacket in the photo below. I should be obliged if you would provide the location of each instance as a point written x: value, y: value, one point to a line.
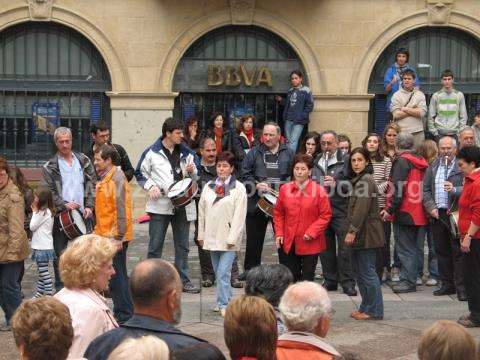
x: 301, y: 215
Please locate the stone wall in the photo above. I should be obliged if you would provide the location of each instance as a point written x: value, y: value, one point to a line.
x: 143, y: 40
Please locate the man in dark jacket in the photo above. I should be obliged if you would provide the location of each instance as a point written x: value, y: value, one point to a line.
x: 156, y: 292
x: 101, y: 135
x: 405, y: 204
x: 264, y: 169
x: 330, y: 170
x: 442, y: 186
x: 70, y: 176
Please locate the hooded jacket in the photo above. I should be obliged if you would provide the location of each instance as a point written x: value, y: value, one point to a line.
x: 298, y: 105
x: 405, y: 202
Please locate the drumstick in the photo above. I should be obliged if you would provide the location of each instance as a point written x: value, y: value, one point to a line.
x: 270, y: 190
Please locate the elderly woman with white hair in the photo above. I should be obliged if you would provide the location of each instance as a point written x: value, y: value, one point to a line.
x: 306, y: 310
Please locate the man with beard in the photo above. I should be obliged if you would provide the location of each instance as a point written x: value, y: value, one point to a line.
x: 156, y: 292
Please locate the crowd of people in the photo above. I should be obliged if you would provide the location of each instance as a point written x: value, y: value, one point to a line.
x: 328, y: 201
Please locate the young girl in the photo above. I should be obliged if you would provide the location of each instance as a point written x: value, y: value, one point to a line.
x: 42, y: 241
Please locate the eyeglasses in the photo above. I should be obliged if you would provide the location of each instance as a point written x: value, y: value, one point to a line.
x: 326, y: 142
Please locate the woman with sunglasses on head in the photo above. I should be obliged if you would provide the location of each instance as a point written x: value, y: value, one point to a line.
x: 365, y: 234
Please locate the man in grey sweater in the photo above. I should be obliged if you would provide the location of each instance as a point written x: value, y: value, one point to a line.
x: 409, y: 107
x: 447, y: 114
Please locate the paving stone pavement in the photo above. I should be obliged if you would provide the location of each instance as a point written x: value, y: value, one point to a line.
x: 395, y: 337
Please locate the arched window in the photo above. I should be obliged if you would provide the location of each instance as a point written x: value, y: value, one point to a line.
x: 432, y: 50
x: 50, y: 76
x: 234, y: 70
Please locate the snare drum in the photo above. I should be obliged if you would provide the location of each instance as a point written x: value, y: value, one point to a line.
x: 182, y: 192
x: 267, y: 203
x: 72, y: 223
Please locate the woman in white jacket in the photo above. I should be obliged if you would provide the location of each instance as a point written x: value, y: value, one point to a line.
x: 221, y: 217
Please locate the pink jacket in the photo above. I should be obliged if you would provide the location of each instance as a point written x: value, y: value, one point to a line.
x: 91, y: 317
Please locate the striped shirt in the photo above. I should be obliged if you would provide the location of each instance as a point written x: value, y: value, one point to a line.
x: 441, y: 196
x: 381, y: 174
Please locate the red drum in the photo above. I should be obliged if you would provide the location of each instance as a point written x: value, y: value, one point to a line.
x: 72, y: 223
x: 182, y: 192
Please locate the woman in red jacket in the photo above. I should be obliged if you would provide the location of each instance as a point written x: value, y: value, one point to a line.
x: 301, y: 215
x: 469, y: 227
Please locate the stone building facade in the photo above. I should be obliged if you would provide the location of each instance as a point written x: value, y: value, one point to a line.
x: 338, y: 43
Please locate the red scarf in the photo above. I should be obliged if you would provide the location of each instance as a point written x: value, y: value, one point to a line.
x: 218, y: 139
x: 249, y: 135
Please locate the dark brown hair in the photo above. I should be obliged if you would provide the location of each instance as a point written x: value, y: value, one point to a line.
x: 107, y: 151
x: 242, y: 121
x: 226, y: 156
x: 303, y: 145
x: 250, y: 328
x: 303, y: 158
x: 377, y: 156
x: 45, y: 199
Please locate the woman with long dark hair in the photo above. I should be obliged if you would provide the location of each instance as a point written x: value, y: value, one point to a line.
x: 247, y: 134
x: 310, y: 144
x: 365, y: 234
x: 382, y: 166
x: 191, y: 136
x: 225, y: 138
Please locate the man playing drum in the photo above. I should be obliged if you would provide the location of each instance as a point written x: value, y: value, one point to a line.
x: 161, y: 165
x: 71, y: 179
x: 264, y: 169
x: 113, y: 212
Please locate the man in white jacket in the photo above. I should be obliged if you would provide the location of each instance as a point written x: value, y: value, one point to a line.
x: 162, y: 164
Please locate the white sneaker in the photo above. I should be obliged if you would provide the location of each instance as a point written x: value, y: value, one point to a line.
x: 395, y: 275
x: 419, y: 281
x: 216, y: 309
x: 431, y: 282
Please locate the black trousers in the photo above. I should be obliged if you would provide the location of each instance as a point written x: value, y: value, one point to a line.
x: 256, y: 224
x: 60, y: 242
x: 471, y: 261
x: 337, y: 268
x: 449, y: 255
x: 302, y: 266
x: 383, y: 254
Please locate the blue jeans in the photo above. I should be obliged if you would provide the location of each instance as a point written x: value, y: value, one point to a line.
x: 222, y: 265
x: 180, y: 226
x: 407, y: 238
x: 10, y: 294
x: 432, y: 257
x: 119, y: 289
x: 292, y: 133
x: 364, y: 268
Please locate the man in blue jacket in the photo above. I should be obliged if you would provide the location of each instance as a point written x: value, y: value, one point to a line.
x: 392, y: 81
x: 298, y: 106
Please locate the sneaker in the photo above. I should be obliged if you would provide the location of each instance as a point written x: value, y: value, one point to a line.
x: 5, y: 327
x: 419, y: 281
x: 216, y: 309
x: 222, y: 312
x: 188, y: 287
x: 207, y: 283
x: 237, y: 284
x: 395, y: 275
x: 431, y: 282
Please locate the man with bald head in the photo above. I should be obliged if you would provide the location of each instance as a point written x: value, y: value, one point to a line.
x: 156, y: 293
x: 264, y: 169
x: 442, y: 187
x: 306, y: 310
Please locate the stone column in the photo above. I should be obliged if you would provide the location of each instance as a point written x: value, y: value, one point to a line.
x: 346, y: 114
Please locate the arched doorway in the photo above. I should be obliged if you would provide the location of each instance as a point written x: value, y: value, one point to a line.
x: 50, y: 76
x: 234, y: 70
x: 432, y: 50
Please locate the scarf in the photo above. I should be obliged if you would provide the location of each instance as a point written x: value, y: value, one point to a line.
x: 249, y: 135
x: 218, y: 139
